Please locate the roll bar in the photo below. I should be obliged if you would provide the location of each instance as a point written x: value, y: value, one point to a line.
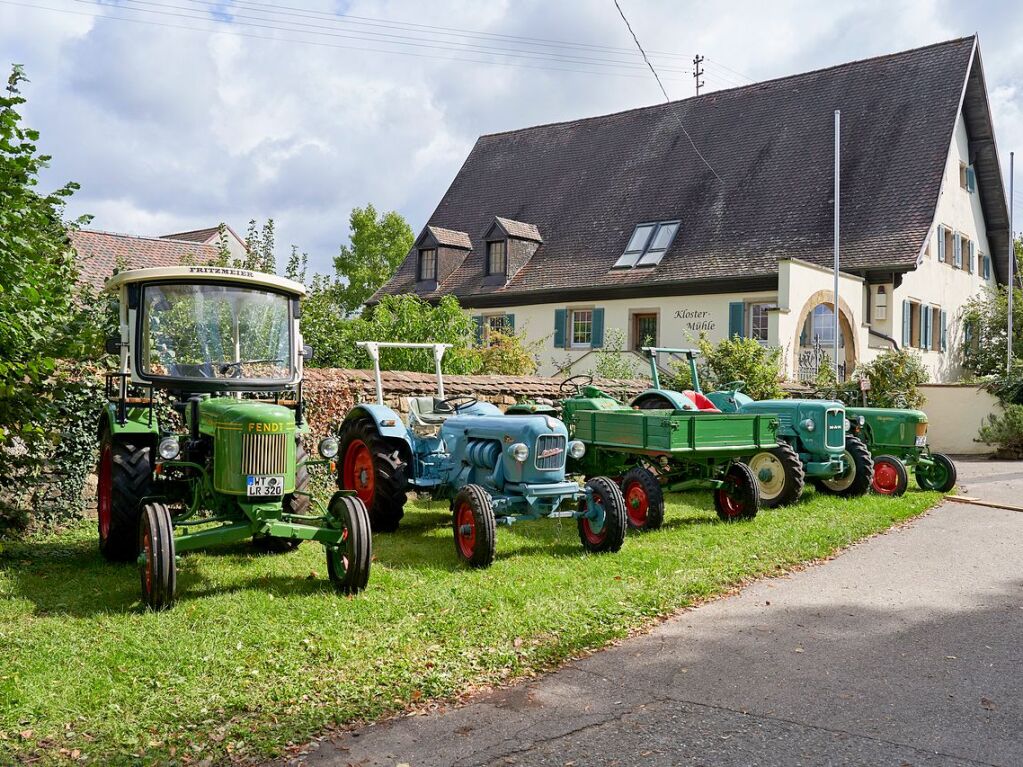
x: 373, y: 350
x: 690, y: 354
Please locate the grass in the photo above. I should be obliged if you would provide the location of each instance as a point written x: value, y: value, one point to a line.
x: 259, y: 652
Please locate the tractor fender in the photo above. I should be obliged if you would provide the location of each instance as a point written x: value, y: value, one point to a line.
x: 136, y: 423
x: 388, y: 423
x: 678, y: 400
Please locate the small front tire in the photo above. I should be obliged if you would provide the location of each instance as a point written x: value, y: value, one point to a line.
x: 348, y: 562
x: 780, y: 475
x: 644, y: 499
x: 858, y: 476
x: 475, y: 527
x: 611, y: 536
x: 941, y: 476
x: 157, y: 566
x: 739, y: 495
x: 890, y: 476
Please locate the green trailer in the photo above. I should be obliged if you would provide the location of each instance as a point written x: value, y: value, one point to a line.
x: 650, y: 451
x: 897, y: 438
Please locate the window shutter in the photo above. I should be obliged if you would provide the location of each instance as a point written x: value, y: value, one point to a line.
x: 925, y: 326
x: 907, y: 313
x: 971, y: 255
x: 957, y: 251
x: 941, y: 243
x: 737, y: 319
x: 597, y: 336
x: 509, y: 323
x: 559, y: 328
x: 971, y: 179
x: 944, y: 330
x: 967, y: 334
x: 987, y: 267
x: 477, y: 322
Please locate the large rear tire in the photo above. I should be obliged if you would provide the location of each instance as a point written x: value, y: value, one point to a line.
x: 616, y: 521
x: 644, y: 499
x: 475, y: 526
x: 125, y: 478
x: 890, y: 476
x: 157, y: 567
x: 348, y: 562
x: 739, y: 495
x: 941, y: 477
x: 780, y: 475
x: 374, y: 468
x: 857, y: 478
x: 293, y: 504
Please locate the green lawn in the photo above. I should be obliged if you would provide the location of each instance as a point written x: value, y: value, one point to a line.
x: 259, y: 652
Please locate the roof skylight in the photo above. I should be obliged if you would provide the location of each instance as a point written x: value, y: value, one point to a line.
x: 648, y: 244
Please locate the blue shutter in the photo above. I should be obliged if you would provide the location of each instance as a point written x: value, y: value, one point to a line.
x: 737, y: 319
x: 972, y: 256
x: 509, y: 323
x: 477, y: 322
x: 559, y: 328
x: 987, y: 267
x: 944, y: 330
x: 971, y: 179
x: 957, y: 251
x: 941, y: 243
x: 597, y: 337
x: 907, y: 313
x: 925, y: 326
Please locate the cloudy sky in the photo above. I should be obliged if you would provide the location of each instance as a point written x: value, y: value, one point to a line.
x: 178, y: 114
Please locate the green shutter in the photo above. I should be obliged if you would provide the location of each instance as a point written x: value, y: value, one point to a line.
x: 559, y: 328
x: 509, y: 323
x: 925, y: 326
x: 597, y: 338
x: 477, y: 322
x: 941, y: 243
x: 737, y: 319
x: 907, y: 315
x: 944, y: 330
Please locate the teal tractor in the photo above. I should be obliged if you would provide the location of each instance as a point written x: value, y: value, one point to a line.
x: 812, y: 436
x: 224, y: 462
x: 492, y: 468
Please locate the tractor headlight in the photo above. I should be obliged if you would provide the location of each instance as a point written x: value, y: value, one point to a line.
x: 328, y: 447
x: 846, y: 424
x: 576, y: 449
x: 519, y: 451
x: 808, y: 424
x: 169, y: 448
x: 860, y: 420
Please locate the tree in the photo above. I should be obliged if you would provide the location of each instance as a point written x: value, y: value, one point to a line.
x: 259, y: 248
x: 297, y: 266
x: 985, y: 320
x: 379, y: 243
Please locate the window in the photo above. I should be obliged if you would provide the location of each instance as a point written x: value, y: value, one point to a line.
x: 881, y: 304
x: 582, y: 328
x: 644, y: 330
x: 427, y: 264
x: 985, y: 266
x: 915, y: 334
x: 497, y: 257
x: 758, y: 322
x: 967, y: 177
x: 648, y: 244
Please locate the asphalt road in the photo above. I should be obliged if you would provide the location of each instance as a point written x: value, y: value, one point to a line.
x: 906, y: 650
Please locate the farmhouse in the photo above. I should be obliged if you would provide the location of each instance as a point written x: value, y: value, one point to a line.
x: 572, y: 230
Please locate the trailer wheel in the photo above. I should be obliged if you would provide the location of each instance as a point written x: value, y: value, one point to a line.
x: 890, y: 476
x: 739, y: 495
x: 293, y: 504
x: 858, y: 478
x: 644, y: 499
x: 941, y: 476
x: 616, y: 520
x: 348, y: 562
x: 474, y: 526
x: 373, y: 467
x: 780, y: 475
x: 125, y: 478
x: 157, y: 567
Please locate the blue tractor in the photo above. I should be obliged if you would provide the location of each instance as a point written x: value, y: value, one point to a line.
x: 493, y: 468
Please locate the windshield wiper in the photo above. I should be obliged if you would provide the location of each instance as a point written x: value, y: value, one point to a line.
x: 228, y: 365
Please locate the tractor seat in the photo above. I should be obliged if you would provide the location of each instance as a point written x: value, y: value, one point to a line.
x: 428, y: 410
x: 703, y: 404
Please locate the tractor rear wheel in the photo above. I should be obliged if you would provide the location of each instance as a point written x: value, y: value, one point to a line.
x: 157, y: 567
x: 475, y: 526
x: 125, y: 478
x: 780, y: 475
x: 644, y: 499
x: 941, y: 476
x: 374, y: 468
x: 890, y: 476
x: 611, y: 536
x: 653, y: 401
x: 293, y: 504
x: 348, y: 562
x: 739, y: 495
x: 858, y: 476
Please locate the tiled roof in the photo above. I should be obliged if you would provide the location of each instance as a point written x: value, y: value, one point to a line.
x: 196, y: 235
x: 586, y: 183
x: 450, y: 238
x: 519, y: 229
x: 100, y: 252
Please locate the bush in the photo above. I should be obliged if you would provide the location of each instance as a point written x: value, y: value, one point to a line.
x: 1005, y: 431
x: 510, y: 354
x: 1008, y: 387
x: 895, y: 376
x: 735, y: 359
x: 613, y: 361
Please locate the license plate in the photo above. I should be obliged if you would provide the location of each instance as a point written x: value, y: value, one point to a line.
x: 921, y: 441
x: 262, y: 486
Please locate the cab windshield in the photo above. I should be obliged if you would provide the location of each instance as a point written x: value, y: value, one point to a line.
x: 208, y: 331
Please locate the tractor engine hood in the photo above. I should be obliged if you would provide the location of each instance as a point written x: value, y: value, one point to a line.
x: 545, y: 437
x: 248, y: 416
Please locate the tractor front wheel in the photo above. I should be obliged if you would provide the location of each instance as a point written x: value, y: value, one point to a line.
x: 644, y: 499
x: 611, y: 536
x: 739, y: 494
x: 125, y: 478
x: 940, y: 476
x: 157, y: 567
x: 890, y: 476
x: 780, y: 475
x: 373, y: 467
x: 348, y: 561
x: 475, y: 526
x: 858, y: 475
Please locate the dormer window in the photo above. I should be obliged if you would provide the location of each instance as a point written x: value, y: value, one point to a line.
x: 648, y: 244
x: 428, y: 265
x: 497, y: 258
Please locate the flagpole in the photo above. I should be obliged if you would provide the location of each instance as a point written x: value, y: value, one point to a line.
x: 1012, y: 260
x: 838, y: 129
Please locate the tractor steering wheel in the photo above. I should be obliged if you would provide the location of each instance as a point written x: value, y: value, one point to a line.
x: 459, y: 402
x: 734, y: 386
x: 575, y: 383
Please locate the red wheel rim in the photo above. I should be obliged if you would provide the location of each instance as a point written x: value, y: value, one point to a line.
x: 147, y: 547
x: 592, y: 537
x: 465, y: 533
x: 637, y: 504
x: 886, y: 478
x: 104, y: 493
x: 731, y: 505
x: 358, y: 472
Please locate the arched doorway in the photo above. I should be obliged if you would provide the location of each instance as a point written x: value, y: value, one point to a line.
x: 815, y: 342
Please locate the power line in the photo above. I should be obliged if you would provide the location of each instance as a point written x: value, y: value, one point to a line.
x: 317, y: 43
x: 733, y: 71
x: 666, y: 98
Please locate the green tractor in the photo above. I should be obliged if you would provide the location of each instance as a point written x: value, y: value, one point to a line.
x: 897, y: 438
x: 226, y: 463
x: 812, y: 436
